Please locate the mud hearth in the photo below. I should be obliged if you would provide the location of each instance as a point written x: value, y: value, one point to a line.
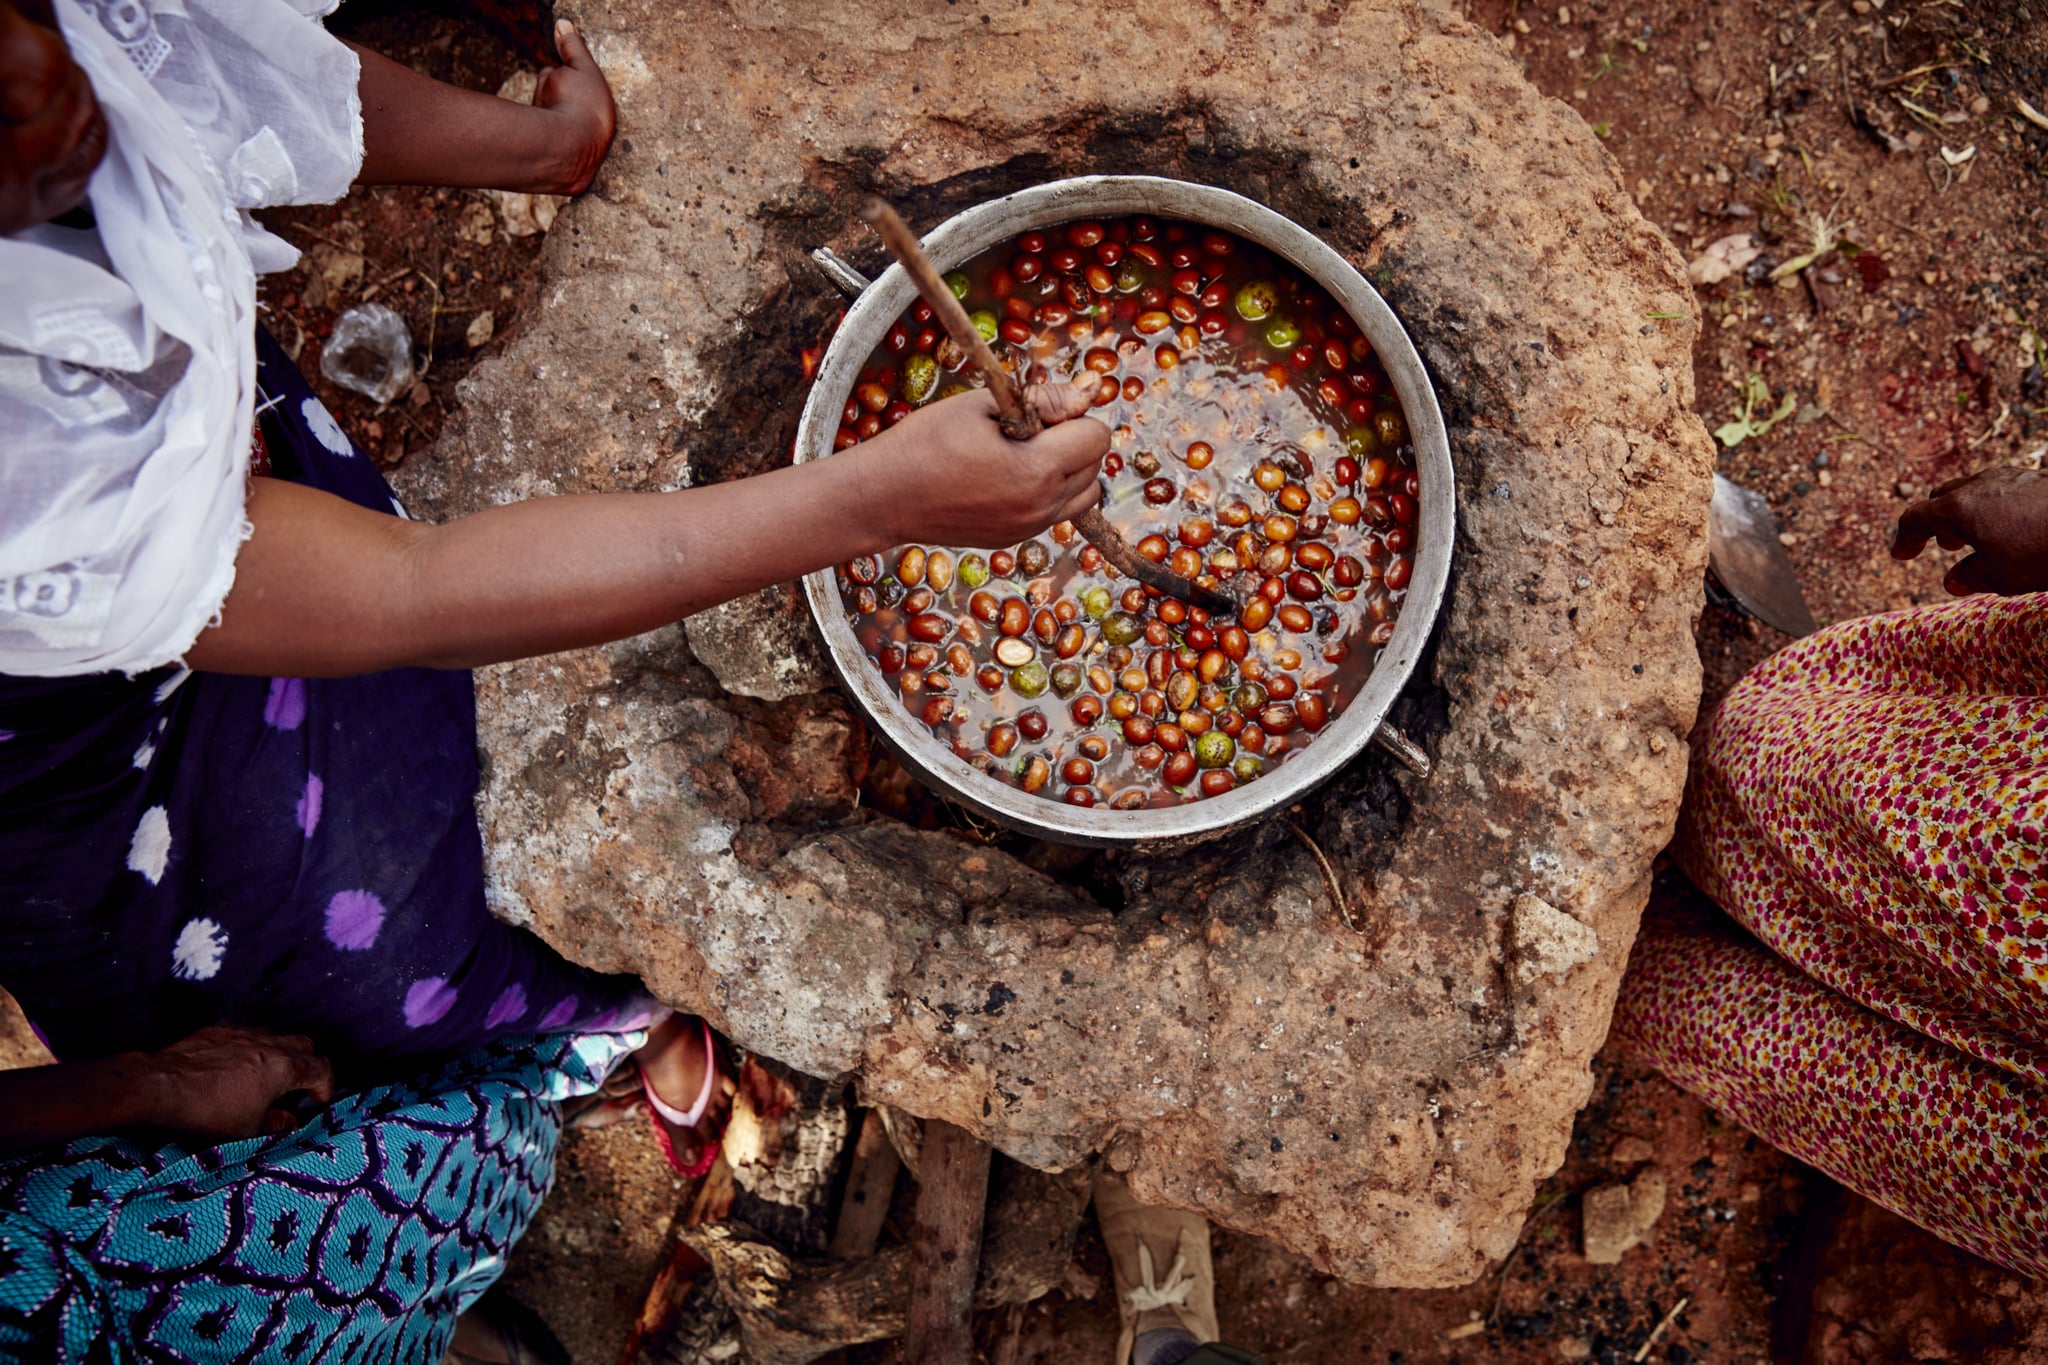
x: 1383, y: 1100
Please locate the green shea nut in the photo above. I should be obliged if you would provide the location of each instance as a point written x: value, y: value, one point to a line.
x: 954, y: 390
x: 1030, y: 680
x: 1249, y: 698
x: 984, y: 323
x: 973, y: 571
x: 1215, y: 749
x: 1066, y: 679
x: 920, y: 378
x: 1361, y: 443
x: 1132, y: 276
x: 1389, y: 427
x: 1097, y: 602
x: 958, y: 282
x: 1247, y: 768
x: 1282, y: 334
x: 1121, y: 628
x: 1257, y: 300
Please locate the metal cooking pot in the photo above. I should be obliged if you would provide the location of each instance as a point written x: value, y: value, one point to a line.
x: 1362, y: 721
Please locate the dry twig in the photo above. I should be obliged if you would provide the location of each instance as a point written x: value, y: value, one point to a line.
x: 1329, y: 875
x: 1643, y: 1351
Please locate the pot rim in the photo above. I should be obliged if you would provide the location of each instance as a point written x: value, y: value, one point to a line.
x: 974, y: 230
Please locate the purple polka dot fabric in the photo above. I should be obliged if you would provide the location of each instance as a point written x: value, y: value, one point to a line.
x: 1870, y: 808
x: 177, y: 850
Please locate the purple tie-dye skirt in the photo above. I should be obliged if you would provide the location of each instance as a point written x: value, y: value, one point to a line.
x: 182, y: 848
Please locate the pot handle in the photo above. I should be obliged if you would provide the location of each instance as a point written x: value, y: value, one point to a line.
x: 1411, y: 755
x: 844, y: 277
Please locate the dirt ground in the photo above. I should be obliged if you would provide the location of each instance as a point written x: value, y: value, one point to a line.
x: 1909, y: 352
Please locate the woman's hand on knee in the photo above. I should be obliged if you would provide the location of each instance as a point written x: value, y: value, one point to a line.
x: 2001, y: 514
x: 230, y: 1082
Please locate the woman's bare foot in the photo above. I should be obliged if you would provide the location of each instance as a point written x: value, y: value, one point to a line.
x: 674, y: 1061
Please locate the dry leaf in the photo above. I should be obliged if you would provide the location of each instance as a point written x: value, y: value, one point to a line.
x: 1723, y: 259
x: 526, y: 215
x: 478, y: 224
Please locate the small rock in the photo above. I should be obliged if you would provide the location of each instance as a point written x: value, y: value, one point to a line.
x: 1544, y: 941
x: 1632, y: 1151
x: 1574, y: 1348
x: 481, y: 328
x: 1722, y: 259
x: 338, y: 269
x: 1907, y: 488
x: 760, y: 645
x: 1616, y: 1217
x: 1980, y: 106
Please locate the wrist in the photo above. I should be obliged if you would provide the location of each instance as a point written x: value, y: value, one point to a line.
x: 565, y: 154
x: 874, y: 490
x: 137, y: 1091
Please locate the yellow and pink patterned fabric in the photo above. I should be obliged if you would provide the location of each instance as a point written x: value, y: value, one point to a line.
x: 1871, y: 806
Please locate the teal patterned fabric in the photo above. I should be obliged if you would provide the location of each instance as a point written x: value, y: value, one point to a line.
x: 358, y: 1238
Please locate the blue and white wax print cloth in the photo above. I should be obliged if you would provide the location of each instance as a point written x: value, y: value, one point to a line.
x: 359, y: 1238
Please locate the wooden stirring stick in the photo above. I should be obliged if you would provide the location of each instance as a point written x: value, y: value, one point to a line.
x: 1019, y: 421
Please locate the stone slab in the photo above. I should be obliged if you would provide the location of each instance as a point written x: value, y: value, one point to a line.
x: 1381, y: 1099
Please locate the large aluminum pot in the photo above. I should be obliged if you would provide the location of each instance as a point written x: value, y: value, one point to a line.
x: 961, y: 238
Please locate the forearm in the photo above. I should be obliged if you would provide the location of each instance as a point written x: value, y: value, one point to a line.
x: 522, y: 579
x: 420, y: 131
x: 42, y: 1105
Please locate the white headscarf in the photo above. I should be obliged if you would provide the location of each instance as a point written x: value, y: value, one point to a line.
x: 127, y: 359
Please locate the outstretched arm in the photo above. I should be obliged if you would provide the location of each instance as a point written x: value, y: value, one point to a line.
x: 325, y: 588
x: 419, y: 131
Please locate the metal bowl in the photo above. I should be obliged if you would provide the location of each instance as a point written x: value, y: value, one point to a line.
x: 966, y: 235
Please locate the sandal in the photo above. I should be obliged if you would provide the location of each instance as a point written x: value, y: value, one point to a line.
x: 666, y: 1115
x: 500, y: 1330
